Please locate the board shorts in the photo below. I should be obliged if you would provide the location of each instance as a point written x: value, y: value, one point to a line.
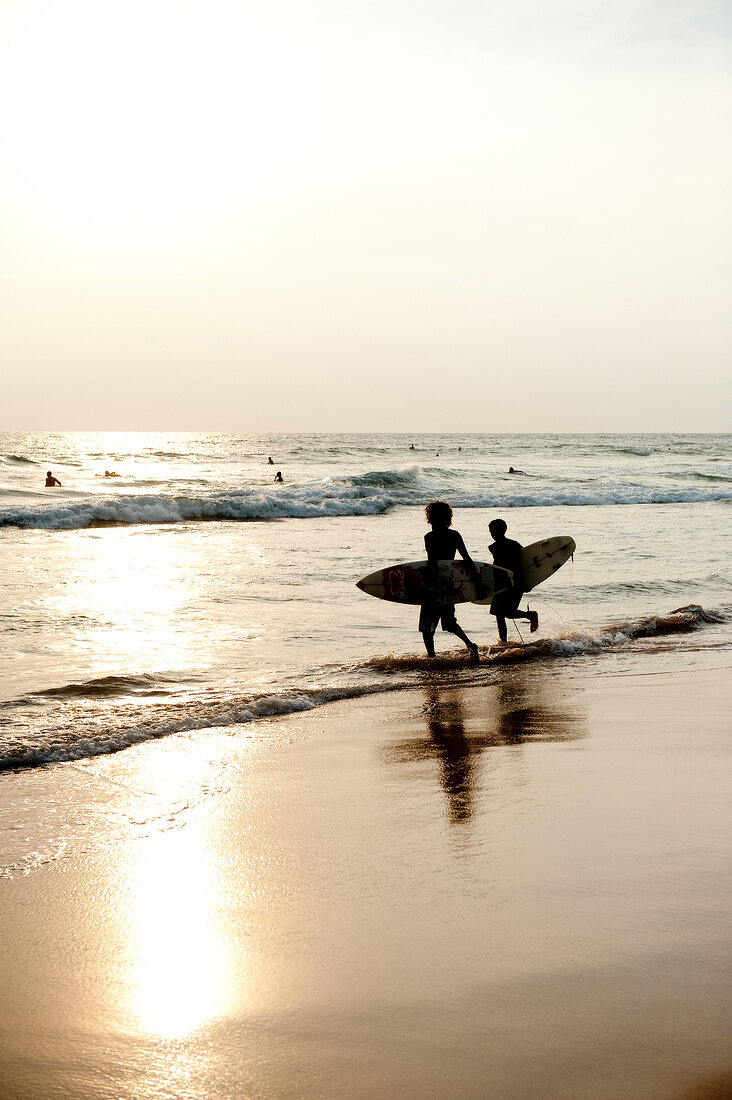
x: 506, y: 603
x: 430, y: 614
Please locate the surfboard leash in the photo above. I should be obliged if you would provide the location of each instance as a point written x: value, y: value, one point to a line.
x: 571, y: 576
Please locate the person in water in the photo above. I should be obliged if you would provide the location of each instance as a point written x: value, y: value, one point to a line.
x: 278, y: 476
x: 504, y: 605
x: 51, y: 480
x: 270, y: 461
x: 441, y: 544
x: 512, y: 471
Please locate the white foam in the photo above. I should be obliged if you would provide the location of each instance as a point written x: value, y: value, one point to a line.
x: 362, y: 495
x: 78, y: 737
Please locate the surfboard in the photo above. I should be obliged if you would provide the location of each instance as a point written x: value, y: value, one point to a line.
x: 540, y: 560
x: 409, y: 582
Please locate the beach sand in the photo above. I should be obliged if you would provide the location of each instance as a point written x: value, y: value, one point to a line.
x: 520, y: 890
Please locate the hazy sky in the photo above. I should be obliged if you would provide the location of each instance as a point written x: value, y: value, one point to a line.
x: 365, y: 214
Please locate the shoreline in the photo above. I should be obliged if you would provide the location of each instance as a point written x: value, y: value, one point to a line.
x: 441, y: 892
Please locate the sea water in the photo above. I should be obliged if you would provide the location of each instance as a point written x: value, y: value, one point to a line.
x: 192, y: 590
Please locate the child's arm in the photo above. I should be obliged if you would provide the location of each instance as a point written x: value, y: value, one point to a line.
x: 472, y: 569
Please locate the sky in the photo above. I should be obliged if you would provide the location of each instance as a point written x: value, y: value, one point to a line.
x: 365, y: 215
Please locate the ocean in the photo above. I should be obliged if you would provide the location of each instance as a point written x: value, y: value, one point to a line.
x: 192, y: 591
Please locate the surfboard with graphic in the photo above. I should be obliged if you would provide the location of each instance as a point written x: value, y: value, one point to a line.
x: 409, y: 582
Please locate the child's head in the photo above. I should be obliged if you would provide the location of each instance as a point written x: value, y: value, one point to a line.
x: 438, y: 513
x: 497, y: 528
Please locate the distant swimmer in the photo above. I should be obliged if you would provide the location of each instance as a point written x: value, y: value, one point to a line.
x: 504, y: 605
x: 512, y: 471
x: 441, y: 544
x: 278, y: 476
x: 111, y: 473
x: 412, y: 447
x: 51, y: 480
x: 270, y: 461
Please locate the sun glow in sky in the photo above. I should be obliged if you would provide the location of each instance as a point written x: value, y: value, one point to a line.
x: 124, y: 119
x: 351, y: 216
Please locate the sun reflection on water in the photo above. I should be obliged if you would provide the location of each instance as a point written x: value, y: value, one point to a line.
x: 130, y: 593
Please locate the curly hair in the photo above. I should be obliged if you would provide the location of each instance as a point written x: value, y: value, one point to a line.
x: 438, y: 513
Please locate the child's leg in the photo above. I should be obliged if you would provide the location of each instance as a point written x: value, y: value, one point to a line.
x: 429, y: 617
x: 454, y: 628
x: 451, y: 625
x: 530, y: 615
x: 502, y: 629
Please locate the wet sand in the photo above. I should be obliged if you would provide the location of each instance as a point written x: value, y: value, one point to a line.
x: 512, y: 891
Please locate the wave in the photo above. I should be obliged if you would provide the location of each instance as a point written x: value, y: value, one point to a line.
x: 108, y: 687
x: 366, y: 494
x: 580, y: 641
x: 19, y: 459
x: 163, y: 508
x: 724, y: 478
x: 674, y: 587
x: 84, y: 737
x: 84, y: 721
x: 574, y: 641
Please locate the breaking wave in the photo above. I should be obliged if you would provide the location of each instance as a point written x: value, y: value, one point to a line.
x: 361, y: 495
x: 684, y: 620
x: 79, y: 735
x: 574, y: 641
